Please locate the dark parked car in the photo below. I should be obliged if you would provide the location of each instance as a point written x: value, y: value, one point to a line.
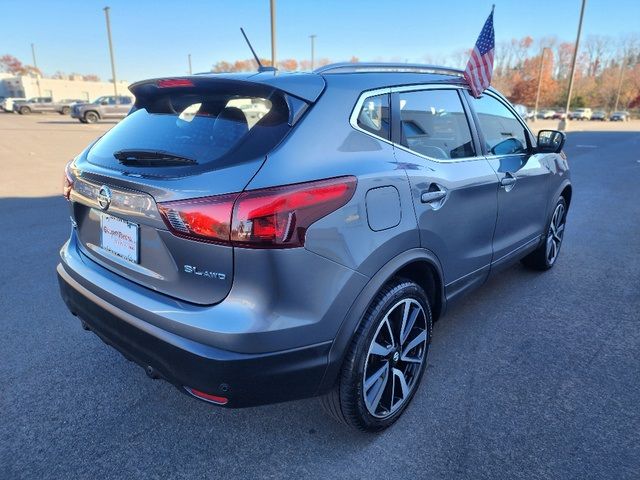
x: 107, y: 107
x: 599, y: 115
x: 310, y: 251
x: 620, y: 116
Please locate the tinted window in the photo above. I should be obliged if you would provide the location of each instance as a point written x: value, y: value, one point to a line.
x: 433, y: 123
x: 503, y: 133
x: 125, y: 100
x: 203, y: 127
x: 374, y: 115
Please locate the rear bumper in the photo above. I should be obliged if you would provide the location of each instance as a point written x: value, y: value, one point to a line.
x: 244, y: 379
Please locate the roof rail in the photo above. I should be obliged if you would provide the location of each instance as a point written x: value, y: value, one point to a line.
x: 347, y: 67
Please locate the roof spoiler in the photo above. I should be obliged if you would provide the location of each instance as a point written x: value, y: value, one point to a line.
x: 305, y: 87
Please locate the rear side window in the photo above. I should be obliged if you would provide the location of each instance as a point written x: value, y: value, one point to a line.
x: 193, y: 131
x: 374, y: 115
x: 503, y: 133
x: 433, y: 123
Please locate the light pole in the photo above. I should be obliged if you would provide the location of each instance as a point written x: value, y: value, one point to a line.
x: 622, y: 68
x: 535, y: 109
x: 273, y: 33
x: 190, y: 69
x: 113, y: 64
x: 313, y: 50
x: 565, y: 121
x: 35, y: 65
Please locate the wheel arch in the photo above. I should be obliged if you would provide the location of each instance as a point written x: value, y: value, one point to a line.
x: 92, y: 111
x: 417, y: 264
x: 566, y: 192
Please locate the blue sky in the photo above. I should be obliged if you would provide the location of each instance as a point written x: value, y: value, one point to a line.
x: 153, y: 38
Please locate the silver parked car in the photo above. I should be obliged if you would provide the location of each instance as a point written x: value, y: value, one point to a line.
x: 34, y: 105
x: 620, y: 116
x: 63, y: 107
x: 310, y: 251
x: 106, y: 107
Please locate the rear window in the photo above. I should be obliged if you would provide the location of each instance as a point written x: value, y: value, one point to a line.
x: 206, y: 130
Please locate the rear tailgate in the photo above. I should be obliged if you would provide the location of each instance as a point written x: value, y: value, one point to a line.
x: 180, y: 143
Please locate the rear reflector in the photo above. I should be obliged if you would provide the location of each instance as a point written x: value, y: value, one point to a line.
x: 174, y: 82
x: 275, y: 217
x: 207, y: 396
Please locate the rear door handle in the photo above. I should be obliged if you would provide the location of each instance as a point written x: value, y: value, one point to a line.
x: 432, y: 196
x: 508, y: 180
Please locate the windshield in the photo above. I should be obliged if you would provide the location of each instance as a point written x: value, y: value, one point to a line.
x: 209, y: 129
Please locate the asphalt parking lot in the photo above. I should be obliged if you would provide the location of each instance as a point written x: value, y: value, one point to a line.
x: 532, y: 376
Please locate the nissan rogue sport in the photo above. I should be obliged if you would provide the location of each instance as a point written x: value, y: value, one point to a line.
x: 251, y: 259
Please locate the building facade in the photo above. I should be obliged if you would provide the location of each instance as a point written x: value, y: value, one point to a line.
x: 73, y: 87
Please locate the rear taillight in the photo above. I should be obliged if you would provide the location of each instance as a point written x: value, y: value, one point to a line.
x: 280, y: 216
x: 207, y: 218
x: 275, y: 217
x: 67, y: 181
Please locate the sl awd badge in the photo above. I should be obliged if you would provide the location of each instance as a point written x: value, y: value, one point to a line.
x: 204, y: 273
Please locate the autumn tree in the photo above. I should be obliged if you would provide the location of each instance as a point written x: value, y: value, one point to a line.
x: 288, y: 64
x: 10, y: 64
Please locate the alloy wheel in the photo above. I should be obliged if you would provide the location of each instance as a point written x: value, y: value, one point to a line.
x: 555, y: 233
x: 395, y: 358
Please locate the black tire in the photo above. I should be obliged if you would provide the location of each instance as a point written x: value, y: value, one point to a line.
x: 24, y: 111
x: 540, y: 258
x: 65, y: 111
x: 82, y: 120
x: 91, y: 117
x: 346, y: 401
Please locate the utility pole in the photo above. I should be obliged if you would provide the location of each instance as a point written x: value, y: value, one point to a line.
x: 273, y: 33
x: 33, y: 54
x: 113, y: 64
x: 565, y: 121
x: 35, y: 65
x: 622, y: 69
x: 535, y: 109
x: 190, y: 69
x: 313, y: 50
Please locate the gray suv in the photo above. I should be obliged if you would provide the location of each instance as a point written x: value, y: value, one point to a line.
x: 107, y: 107
x: 307, y: 251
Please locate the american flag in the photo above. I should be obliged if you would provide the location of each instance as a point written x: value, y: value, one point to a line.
x: 480, y: 66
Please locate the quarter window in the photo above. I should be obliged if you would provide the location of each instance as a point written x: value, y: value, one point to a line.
x: 433, y: 123
x: 503, y: 132
x: 374, y: 115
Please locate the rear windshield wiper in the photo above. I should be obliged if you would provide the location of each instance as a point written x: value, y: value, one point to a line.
x: 152, y: 158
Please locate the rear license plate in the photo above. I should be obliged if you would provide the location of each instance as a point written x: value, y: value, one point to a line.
x: 119, y: 237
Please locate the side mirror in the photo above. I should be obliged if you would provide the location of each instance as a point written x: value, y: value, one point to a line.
x: 550, y: 141
x: 104, y: 102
